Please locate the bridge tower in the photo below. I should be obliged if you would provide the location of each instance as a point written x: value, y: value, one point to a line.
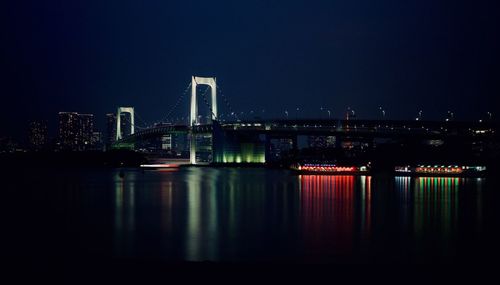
x: 121, y: 110
x: 195, y: 81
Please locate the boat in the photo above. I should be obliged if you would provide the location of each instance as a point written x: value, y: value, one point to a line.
x: 165, y: 164
x: 330, y: 169
x: 440, y: 170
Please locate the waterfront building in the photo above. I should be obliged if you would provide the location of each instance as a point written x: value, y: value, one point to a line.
x: 75, y: 131
x: 85, y: 131
x: 110, y: 129
x: 38, y: 135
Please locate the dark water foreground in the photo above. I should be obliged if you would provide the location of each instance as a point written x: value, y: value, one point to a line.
x: 114, y: 221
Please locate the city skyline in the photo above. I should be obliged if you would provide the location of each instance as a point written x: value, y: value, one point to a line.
x: 401, y: 56
x: 105, y: 125
x: 155, y: 139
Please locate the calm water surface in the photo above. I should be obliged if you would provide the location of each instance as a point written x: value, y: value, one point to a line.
x: 241, y: 214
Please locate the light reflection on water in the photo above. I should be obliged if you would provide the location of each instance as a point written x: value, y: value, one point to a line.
x: 212, y: 214
x: 124, y: 214
x: 328, y: 210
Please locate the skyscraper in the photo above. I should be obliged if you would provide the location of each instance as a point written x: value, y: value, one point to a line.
x: 38, y: 135
x: 97, y: 141
x: 68, y: 130
x: 85, y: 131
x: 75, y: 131
x: 110, y: 129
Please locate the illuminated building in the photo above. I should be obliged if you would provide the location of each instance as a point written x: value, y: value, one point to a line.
x: 85, y: 131
x: 97, y: 141
x: 38, y: 136
x: 166, y: 142
x: 110, y: 129
x: 75, y: 131
x: 330, y: 141
x: 321, y: 141
x: 279, y: 148
x: 68, y: 130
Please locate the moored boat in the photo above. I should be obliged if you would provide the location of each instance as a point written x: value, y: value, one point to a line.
x: 330, y: 169
x: 440, y: 170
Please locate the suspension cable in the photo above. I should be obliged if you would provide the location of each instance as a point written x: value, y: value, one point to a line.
x: 203, y: 95
x: 174, y: 107
x: 140, y: 118
x: 226, y: 101
x: 134, y: 125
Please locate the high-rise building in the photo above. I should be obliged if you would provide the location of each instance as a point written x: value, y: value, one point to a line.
x: 75, y: 131
x: 68, y: 130
x: 97, y: 141
x: 331, y: 141
x: 321, y: 142
x: 110, y: 129
x: 38, y: 135
x: 85, y: 131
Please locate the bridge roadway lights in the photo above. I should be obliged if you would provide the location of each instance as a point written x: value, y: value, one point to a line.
x: 121, y: 110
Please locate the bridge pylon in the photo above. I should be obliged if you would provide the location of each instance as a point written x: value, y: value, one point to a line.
x: 195, y: 81
x: 121, y: 110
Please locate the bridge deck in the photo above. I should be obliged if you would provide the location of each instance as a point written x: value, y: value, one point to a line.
x: 361, y: 128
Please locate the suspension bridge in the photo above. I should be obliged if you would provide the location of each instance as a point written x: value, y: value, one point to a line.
x: 234, y: 140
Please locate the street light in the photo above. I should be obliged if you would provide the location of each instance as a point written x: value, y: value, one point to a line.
x: 382, y: 111
x: 329, y: 113
x: 450, y: 116
x: 286, y: 113
x: 419, y: 115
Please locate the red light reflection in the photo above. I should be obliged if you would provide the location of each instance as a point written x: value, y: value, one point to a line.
x: 327, y: 212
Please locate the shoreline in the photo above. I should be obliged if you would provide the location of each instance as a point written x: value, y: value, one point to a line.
x: 120, y: 159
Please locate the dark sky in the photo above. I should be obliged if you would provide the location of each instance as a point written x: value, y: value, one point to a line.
x: 92, y: 56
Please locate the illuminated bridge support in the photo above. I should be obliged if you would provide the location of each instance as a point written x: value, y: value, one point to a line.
x: 121, y: 110
x: 192, y: 148
x: 195, y: 81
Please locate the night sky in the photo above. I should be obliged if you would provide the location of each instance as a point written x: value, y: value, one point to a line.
x: 93, y: 56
